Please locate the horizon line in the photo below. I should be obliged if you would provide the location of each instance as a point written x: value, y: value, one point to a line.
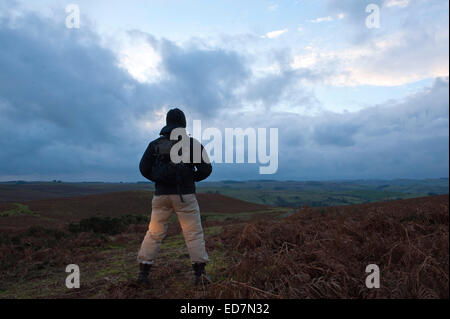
x: 229, y: 180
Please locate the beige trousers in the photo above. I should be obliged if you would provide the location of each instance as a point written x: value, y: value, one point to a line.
x: 188, y: 213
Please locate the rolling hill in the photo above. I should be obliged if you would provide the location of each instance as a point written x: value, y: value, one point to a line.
x: 58, y: 212
x: 303, y: 253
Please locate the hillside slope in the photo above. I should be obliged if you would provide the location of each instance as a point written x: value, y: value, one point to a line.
x: 323, y: 253
x: 312, y: 253
x: 59, y: 211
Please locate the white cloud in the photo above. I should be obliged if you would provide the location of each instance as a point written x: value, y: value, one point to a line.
x: 322, y: 19
x: 274, y: 34
x: 392, y: 60
x: 397, y: 3
x: 273, y: 7
x: 306, y: 60
x: 141, y: 61
x: 341, y: 16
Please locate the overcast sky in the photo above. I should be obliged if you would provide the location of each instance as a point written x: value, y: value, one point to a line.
x: 82, y: 104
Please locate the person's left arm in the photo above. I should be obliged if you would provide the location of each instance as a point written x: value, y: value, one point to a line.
x: 204, y: 168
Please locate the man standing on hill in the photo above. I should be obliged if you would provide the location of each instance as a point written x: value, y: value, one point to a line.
x: 174, y: 192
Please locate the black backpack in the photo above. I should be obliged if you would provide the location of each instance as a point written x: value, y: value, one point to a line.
x: 164, y: 170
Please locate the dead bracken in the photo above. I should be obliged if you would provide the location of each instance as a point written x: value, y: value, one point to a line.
x: 312, y: 253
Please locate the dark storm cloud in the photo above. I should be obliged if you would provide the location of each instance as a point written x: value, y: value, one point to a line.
x: 272, y: 89
x: 209, y: 81
x: 61, y: 78
x: 408, y: 138
x: 400, y: 139
x: 68, y: 111
x: 204, y: 80
x: 60, y: 97
x: 67, y: 108
x: 339, y: 133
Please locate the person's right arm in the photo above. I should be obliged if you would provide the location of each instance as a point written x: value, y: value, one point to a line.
x: 145, y: 166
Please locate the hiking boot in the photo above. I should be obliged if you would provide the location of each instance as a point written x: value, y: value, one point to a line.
x: 200, y: 274
x: 144, y: 270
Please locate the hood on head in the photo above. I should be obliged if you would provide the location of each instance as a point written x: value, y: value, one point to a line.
x: 175, y: 118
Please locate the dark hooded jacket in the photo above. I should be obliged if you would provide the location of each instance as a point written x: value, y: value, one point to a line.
x: 200, y: 171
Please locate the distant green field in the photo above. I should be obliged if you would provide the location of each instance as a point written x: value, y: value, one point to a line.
x: 310, y: 198
x: 329, y: 193
x: 268, y: 192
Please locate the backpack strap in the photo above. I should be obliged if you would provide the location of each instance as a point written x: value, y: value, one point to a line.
x: 163, y: 150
